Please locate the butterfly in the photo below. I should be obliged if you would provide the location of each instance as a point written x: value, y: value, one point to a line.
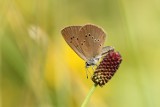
x: 87, y: 42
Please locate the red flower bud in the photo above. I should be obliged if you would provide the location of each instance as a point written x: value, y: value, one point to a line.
x: 107, y: 68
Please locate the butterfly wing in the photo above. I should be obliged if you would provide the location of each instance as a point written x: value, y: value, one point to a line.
x: 106, y: 49
x: 70, y: 34
x: 91, y: 40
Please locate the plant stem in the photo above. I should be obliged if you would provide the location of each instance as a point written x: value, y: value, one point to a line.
x: 89, y: 95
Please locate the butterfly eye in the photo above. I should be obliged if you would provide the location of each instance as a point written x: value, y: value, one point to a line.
x: 98, y: 40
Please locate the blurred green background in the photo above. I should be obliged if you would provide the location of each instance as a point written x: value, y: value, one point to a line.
x: 38, y: 68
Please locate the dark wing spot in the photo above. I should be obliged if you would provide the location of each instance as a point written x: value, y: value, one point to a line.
x: 70, y: 41
x: 77, y: 38
x: 86, y: 35
x: 95, y: 40
x: 81, y: 43
x: 84, y: 40
x: 92, y: 37
x: 98, y: 40
x: 100, y: 45
x: 71, y: 38
x: 89, y: 34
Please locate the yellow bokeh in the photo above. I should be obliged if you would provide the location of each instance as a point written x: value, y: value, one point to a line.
x: 39, y: 69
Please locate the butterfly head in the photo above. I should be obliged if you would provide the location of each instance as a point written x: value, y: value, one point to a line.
x: 92, y: 62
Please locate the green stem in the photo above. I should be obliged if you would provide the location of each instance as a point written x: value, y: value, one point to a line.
x: 86, y: 100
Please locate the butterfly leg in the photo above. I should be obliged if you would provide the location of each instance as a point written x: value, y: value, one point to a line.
x: 93, y: 68
x: 87, y: 71
x: 96, y: 65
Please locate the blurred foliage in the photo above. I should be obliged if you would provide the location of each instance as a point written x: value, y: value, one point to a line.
x: 38, y: 68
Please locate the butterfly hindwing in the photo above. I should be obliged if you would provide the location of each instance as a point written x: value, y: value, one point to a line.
x: 71, y: 36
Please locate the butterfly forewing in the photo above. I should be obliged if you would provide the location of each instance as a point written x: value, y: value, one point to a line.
x: 70, y: 35
x: 91, y: 40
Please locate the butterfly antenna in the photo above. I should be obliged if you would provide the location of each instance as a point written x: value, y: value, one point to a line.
x: 87, y: 72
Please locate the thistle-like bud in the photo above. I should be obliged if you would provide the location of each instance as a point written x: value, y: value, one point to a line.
x: 107, y: 68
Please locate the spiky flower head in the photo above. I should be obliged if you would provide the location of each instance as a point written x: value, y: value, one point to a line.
x: 107, y: 68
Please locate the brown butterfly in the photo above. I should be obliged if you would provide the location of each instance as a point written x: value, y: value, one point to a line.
x: 87, y: 41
